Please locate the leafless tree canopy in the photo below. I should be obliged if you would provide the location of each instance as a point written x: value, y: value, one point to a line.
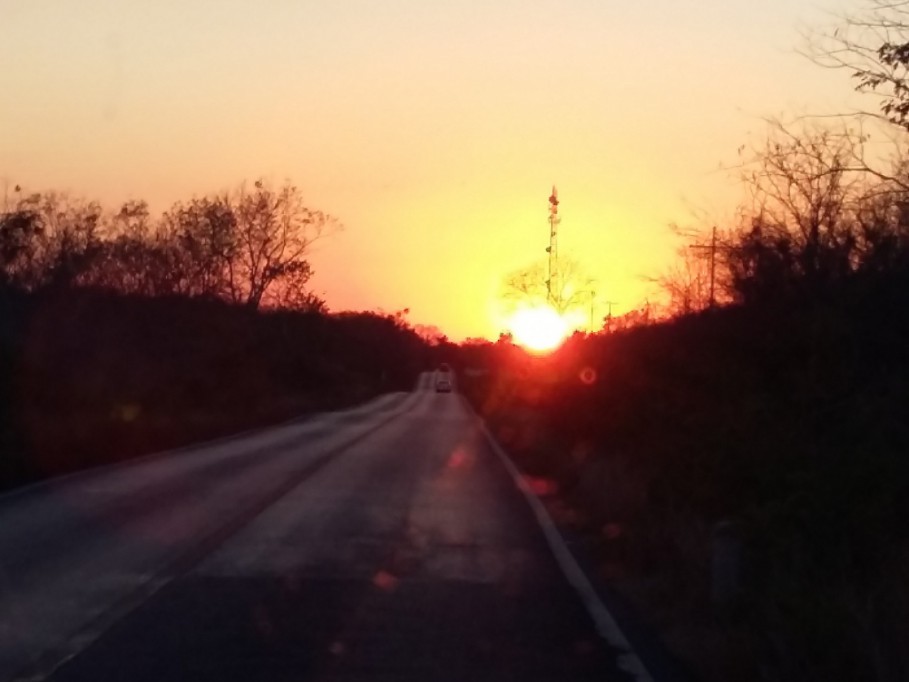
x: 686, y: 283
x: 569, y: 289
x: 249, y: 246
x: 815, y: 215
x: 872, y: 45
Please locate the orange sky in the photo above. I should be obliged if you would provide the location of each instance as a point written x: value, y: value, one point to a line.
x: 433, y: 129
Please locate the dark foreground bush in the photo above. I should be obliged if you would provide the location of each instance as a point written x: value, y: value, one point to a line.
x: 787, y: 423
x: 91, y: 377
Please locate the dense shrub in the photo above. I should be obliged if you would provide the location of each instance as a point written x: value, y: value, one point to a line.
x: 787, y: 416
x: 92, y: 376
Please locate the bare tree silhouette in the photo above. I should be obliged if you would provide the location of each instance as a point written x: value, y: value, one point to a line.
x: 528, y: 285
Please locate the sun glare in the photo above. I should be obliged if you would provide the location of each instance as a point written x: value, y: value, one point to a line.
x: 538, y: 329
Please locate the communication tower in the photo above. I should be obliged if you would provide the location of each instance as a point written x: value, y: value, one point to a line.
x: 553, y: 248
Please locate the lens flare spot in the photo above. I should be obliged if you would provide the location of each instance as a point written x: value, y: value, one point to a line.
x: 588, y: 376
x: 458, y: 459
x: 385, y: 581
x: 613, y: 531
x: 542, y: 487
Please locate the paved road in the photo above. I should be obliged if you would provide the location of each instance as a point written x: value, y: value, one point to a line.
x: 382, y: 543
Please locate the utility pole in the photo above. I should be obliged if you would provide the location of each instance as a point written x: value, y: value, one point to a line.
x: 591, y: 291
x: 609, y: 305
x: 711, y: 256
x: 553, y: 248
x: 16, y: 191
x: 593, y: 298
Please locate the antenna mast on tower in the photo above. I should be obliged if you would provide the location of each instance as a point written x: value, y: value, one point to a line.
x: 553, y: 248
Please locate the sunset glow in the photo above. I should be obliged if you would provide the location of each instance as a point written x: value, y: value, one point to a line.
x: 433, y: 131
x: 540, y: 329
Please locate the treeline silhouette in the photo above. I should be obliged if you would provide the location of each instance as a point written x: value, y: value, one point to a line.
x: 122, y: 334
x: 742, y: 472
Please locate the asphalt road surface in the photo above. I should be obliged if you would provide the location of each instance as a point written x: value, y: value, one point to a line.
x: 388, y: 542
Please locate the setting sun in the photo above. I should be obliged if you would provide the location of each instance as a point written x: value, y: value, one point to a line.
x: 538, y: 329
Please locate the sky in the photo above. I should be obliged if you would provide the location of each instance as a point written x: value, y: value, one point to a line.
x: 433, y: 129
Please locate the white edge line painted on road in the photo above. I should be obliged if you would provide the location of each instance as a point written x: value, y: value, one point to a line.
x: 606, y: 625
